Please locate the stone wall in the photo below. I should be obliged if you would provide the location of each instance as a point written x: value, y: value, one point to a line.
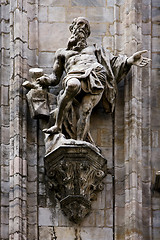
x: 152, y: 19
x: 30, y: 33
x: 56, y: 19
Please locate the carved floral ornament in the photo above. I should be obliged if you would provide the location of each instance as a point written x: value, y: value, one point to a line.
x: 74, y: 166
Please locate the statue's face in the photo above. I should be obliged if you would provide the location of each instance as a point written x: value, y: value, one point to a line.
x: 81, y: 28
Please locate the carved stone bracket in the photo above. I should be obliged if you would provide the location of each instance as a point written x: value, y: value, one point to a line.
x: 75, y: 173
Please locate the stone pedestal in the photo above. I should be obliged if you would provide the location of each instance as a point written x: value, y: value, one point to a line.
x: 75, y: 174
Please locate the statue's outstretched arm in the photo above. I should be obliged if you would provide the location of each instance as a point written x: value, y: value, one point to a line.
x: 138, y: 60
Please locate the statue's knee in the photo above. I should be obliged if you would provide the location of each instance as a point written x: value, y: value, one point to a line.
x: 73, y: 86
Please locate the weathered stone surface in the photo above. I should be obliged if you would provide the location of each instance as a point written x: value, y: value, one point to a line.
x: 99, y: 29
x: 4, y: 231
x: 146, y: 29
x: 108, y: 42
x: 155, y: 60
x: 32, y: 36
x: 31, y: 11
x: 73, y: 12
x: 155, y: 30
x: 100, y: 15
x: 120, y: 2
x: 88, y: 3
x: 55, y: 2
x: 155, y: 44
x: 45, y: 217
x: 64, y: 233
x: 110, y: 3
x: 5, y: 41
x: 156, y: 233
x: 116, y: 13
x: 155, y: 3
x: 43, y: 14
x: 95, y: 233
x: 46, y: 233
x: 32, y: 231
x: 52, y: 43
x: 156, y: 14
x: 56, y: 14
x: 46, y: 59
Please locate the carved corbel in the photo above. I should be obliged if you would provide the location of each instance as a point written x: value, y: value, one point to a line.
x: 75, y: 174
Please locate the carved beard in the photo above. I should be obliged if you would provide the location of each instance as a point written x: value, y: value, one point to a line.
x: 76, y: 42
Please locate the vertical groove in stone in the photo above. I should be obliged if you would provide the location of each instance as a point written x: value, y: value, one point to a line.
x: 133, y: 128
x: 116, y: 21
x: 18, y: 126
x: 119, y: 218
x: 151, y: 27
x: 4, y: 120
x: 146, y: 128
x: 32, y: 139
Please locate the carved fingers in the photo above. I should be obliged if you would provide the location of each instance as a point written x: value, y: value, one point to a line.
x: 144, y: 62
x: 41, y: 80
x: 44, y: 80
x: 139, y: 60
x: 139, y: 53
x: 52, y: 130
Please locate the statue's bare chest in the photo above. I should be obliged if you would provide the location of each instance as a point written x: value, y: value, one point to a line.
x: 75, y: 57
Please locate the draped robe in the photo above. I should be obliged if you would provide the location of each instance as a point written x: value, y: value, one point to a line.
x: 103, y: 76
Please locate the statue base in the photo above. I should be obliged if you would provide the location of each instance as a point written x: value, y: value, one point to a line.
x: 75, y: 173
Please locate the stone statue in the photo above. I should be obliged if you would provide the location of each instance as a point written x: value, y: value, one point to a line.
x: 74, y: 166
x: 92, y: 73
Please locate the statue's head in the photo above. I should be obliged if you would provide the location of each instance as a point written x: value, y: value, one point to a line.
x: 80, y: 26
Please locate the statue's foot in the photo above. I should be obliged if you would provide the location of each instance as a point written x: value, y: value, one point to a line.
x: 51, y: 130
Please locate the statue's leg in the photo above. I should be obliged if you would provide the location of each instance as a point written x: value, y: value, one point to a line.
x: 73, y: 86
x: 83, y: 125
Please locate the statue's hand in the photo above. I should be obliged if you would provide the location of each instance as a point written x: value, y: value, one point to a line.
x: 138, y: 60
x: 43, y: 81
